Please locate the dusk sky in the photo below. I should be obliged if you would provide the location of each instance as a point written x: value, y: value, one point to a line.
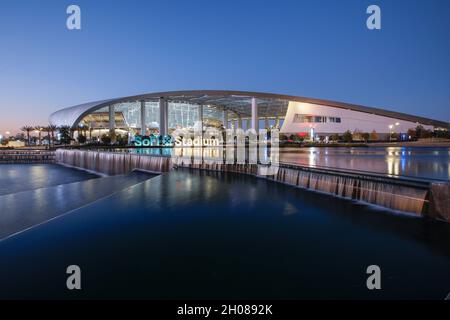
x: 319, y: 49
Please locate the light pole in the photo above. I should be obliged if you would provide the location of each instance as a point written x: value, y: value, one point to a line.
x: 391, y: 126
x: 37, y: 132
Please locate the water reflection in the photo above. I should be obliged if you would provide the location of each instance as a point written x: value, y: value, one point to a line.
x: 433, y: 163
x: 187, y: 233
x: 18, y: 178
x: 21, y: 210
x: 422, y: 162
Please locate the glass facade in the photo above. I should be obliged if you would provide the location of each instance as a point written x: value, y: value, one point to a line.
x: 213, y: 117
x: 131, y: 114
x: 183, y: 115
x: 128, y: 116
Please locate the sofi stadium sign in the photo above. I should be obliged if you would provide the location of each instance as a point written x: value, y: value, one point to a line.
x: 213, y: 146
x: 167, y: 141
x: 153, y: 140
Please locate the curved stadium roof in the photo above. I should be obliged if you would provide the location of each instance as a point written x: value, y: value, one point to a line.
x: 236, y: 101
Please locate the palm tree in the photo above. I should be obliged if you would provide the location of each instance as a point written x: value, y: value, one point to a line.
x: 72, y: 131
x: 51, y: 130
x: 65, y: 132
x: 48, y: 131
x: 81, y: 130
x: 27, y: 129
x: 39, y: 130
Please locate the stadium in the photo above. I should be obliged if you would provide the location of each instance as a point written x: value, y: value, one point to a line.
x: 162, y: 112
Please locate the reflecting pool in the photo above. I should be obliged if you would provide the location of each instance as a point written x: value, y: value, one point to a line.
x: 416, y: 162
x: 209, y: 235
x: 425, y: 162
x: 22, y: 177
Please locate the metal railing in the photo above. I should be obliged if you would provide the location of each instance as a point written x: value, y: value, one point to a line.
x: 26, y: 156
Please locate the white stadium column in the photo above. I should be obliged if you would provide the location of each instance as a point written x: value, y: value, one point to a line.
x: 112, y: 123
x: 200, y: 116
x: 239, y: 122
x: 266, y: 123
x: 163, y: 116
x: 143, y: 126
x: 255, y: 119
x: 200, y: 119
x: 225, y: 119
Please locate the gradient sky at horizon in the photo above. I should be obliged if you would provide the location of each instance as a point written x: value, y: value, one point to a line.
x: 320, y: 49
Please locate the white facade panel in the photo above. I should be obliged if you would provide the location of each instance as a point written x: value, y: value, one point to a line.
x: 350, y: 120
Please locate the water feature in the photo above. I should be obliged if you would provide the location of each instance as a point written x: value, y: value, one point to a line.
x: 112, y: 163
x: 382, y: 192
x: 22, y: 177
x: 417, y: 162
x: 421, y: 162
x: 26, y: 156
x: 28, y: 208
x: 200, y: 234
x: 405, y: 194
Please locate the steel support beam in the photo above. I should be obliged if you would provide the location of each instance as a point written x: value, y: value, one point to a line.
x: 255, y: 118
x: 112, y: 123
x: 143, y: 126
x: 163, y: 117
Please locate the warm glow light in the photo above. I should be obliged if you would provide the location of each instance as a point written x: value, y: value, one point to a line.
x: 397, y: 123
x: 391, y: 126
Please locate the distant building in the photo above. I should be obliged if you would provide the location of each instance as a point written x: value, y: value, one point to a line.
x: 15, y: 143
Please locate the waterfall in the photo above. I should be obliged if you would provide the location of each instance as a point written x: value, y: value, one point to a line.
x: 111, y: 163
x: 396, y: 196
x: 216, y: 166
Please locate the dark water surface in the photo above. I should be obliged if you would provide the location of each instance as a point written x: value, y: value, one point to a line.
x: 22, y: 177
x: 25, y: 209
x: 208, y: 235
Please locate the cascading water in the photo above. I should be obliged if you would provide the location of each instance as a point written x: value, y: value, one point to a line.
x: 389, y: 195
x: 401, y: 197
x: 112, y: 163
x: 397, y: 195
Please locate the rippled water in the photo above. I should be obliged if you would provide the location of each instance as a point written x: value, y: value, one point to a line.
x: 432, y: 163
x: 208, y: 235
x: 16, y: 178
x: 418, y: 162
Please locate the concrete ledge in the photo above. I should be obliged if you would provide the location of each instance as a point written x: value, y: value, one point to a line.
x: 26, y: 156
x: 440, y: 201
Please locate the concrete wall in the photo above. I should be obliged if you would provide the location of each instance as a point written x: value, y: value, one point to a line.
x: 440, y: 201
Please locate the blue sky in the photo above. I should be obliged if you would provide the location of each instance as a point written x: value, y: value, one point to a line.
x: 320, y: 49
